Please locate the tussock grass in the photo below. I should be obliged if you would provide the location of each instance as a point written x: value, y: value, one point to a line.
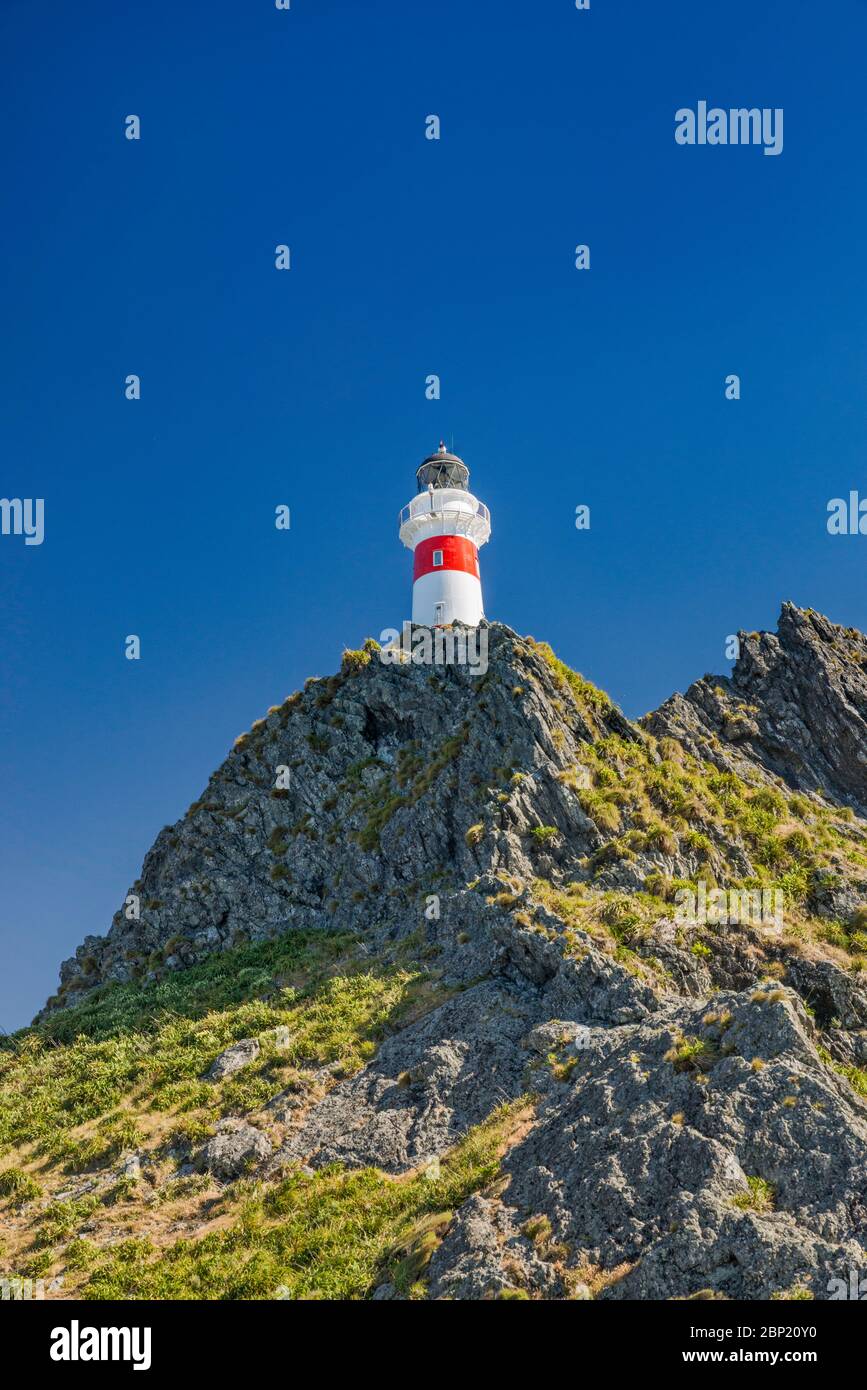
x: 759, y: 1197
x: 125, y: 1070
x: 334, y: 1235
x: 150, y: 1046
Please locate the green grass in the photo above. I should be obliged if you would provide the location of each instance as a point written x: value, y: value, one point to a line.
x: 18, y: 1186
x: 692, y: 1054
x: 657, y: 798
x: 354, y: 661
x: 155, y: 1043
x: 334, y: 1235
x: 586, y: 695
x: 759, y: 1197
x: 614, y: 920
x: 125, y: 1071
x: 856, y: 1076
x: 543, y: 833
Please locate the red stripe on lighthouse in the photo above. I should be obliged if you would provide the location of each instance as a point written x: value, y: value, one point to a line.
x: 458, y: 553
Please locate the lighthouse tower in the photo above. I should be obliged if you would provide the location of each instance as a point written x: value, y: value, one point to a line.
x: 443, y: 526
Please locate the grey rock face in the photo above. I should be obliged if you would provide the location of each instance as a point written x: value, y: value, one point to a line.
x: 639, y: 1167
x: 687, y: 1131
x: 644, y: 1165
x: 484, y: 1253
x: 239, y: 1055
x: 426, y: 1087
x: 233, y: 1152
x: 556, y: 1034
x: 402, y: 782
x: 796, y: 705
x: 406, y: 781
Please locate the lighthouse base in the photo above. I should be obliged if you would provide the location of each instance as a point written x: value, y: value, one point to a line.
x: 441, y: 597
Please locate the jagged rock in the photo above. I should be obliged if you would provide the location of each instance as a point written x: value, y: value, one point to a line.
x: 641, y: 1167
x: 835, y: 996
x: 797, y: 702
x: 384, y: 1292
x: 437, y: 751
x: 425, y: 1088
x: 469, y: 1262
x: 239, y: 1055
x: 556, y: 1033
x: 407, y: 784
x: 591, y: 988
x: 233, y: 1152
x: 670, y: 1064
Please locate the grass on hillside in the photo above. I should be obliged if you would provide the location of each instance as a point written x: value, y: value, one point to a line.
x: 152, y: 1045
x: 125, y: 1071
x: 333, y: 1235
x: 654, y: 797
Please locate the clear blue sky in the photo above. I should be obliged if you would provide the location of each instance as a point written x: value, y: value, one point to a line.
x: 409, y: 257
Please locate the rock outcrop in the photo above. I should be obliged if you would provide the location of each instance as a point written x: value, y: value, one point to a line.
x: 696, y: 1119
x: 356, y: 795
x: 795, y: 705
x: 236, y: 1149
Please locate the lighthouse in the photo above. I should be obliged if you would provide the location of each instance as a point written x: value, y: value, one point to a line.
x: 443, y: 526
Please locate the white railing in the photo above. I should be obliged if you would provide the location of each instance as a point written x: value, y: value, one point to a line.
x: 422, y: 506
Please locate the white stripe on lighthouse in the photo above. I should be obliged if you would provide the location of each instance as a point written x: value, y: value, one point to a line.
x: 447, y: 596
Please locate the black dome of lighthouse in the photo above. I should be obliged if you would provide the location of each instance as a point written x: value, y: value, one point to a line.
x: 442, y: 469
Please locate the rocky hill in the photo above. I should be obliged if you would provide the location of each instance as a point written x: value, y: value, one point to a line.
x: 421, y: 999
